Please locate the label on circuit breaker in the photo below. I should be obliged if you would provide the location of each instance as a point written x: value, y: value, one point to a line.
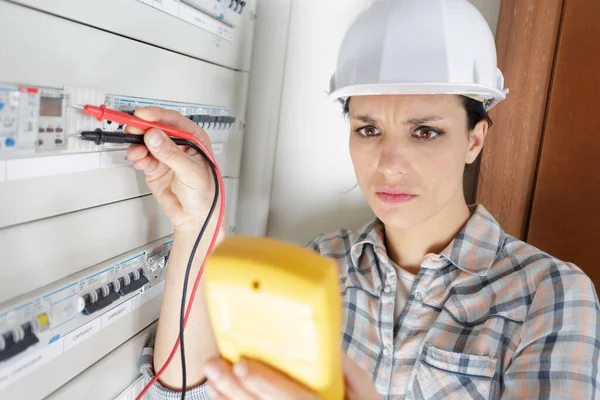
x: 29, y: 363
x: 9, y: 116
x: 116, y: 313
x: 82, y: 333
x: 129, y: 265
x: 97, y: 280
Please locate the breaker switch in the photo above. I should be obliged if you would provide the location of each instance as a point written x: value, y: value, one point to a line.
x: 100, y: 298
x: 17, y: 341
x: 132, y: 282
x: 124, y: 283
x: 109, y: 296
x: 90, y: 306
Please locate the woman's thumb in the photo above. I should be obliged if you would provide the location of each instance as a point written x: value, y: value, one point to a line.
x: 167, y: 152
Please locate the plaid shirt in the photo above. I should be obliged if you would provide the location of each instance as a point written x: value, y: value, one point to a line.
x: 488, y: 317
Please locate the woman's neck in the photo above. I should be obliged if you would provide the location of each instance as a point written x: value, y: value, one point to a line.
x: 408, y: 247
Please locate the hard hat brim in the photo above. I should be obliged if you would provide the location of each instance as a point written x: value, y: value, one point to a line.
x: 489, y: 95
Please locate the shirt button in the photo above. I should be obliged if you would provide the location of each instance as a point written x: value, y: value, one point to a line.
x: 418, y: 296
x: 386, y: 351
x: 387, y: 289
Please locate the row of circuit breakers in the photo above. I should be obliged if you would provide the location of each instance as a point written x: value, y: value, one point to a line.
x: 36, y: 119
x: 60, y: 310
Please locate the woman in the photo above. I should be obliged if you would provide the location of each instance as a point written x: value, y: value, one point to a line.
x: 439, y: 302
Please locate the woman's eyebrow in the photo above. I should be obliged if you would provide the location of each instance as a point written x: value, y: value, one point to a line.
x: 422, y: 120
x: 367, y: 119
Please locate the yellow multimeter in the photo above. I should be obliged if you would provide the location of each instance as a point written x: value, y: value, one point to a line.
x: 278, y: 303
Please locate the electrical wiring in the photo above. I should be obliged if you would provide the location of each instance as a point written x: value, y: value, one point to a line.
x: 182, y: 317
x: 100, y: 137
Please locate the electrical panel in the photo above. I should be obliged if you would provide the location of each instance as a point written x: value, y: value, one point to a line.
x: 84, y: 243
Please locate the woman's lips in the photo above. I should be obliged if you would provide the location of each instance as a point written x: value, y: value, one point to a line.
x: 395, y: 196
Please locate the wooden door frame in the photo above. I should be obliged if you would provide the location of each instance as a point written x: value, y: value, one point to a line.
x: 526, y: 42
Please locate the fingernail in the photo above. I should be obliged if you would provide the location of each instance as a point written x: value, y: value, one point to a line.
x: 211, y: 371
x: 154, y: 138
x: 240, y: 369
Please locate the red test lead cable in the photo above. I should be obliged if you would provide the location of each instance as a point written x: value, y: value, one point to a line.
x: 102, y: 113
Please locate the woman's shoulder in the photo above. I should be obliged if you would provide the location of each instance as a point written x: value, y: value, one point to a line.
x: 523, y: 254
x: 510, y: 260
x: 542, y: 273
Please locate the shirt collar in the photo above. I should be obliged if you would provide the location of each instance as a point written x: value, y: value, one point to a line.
x: 477, y: 245
x: 474, y: 249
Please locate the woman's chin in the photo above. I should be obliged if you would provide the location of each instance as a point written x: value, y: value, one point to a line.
x: 403, y: 216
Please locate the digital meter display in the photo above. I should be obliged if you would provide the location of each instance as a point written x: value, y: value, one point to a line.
x: 51, y: 106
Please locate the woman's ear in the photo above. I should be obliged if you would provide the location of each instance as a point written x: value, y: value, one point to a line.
x: 476, y: 139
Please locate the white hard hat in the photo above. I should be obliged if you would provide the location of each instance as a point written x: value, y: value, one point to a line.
x: 419, y: 47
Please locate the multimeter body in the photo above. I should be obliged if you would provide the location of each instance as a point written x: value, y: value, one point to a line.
x: 278, y: 303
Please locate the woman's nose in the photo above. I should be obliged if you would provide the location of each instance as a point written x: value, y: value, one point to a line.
x: 393, y: 158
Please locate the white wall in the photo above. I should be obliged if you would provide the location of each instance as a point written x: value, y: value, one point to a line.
x: 306, y: 196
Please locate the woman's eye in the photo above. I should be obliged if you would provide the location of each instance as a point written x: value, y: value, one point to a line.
x: 426, y: 133
x: 368, y: 131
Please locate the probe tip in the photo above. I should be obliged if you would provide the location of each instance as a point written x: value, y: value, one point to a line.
x: 76, y: 106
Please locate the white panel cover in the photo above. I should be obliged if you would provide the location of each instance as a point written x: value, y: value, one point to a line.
x: 53, y: 52
x: 109, y: 376
x: 158, y: 27
x: 28, y: 201
x: 44, y: 251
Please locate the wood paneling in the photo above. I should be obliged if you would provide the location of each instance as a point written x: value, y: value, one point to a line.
x: 526, y: 44
x: 565, y: 219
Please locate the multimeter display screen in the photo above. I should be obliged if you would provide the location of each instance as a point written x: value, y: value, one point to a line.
x: 51, y: 106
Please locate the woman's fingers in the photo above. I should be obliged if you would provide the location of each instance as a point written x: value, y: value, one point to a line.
x: 137, y: 152
x: 220, y: 375
x: 168, y: 153
x: 213, y: 393
x: 268, y: 383
x: 167, y: 117
x: 152, y: 168
x: 133, y: 130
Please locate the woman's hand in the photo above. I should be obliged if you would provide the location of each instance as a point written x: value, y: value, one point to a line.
x: 178, y: 176
x: 253, y: 380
